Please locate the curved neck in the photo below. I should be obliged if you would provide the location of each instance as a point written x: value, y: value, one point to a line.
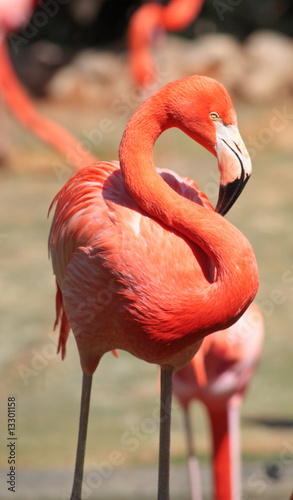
x: 151, y: 16
x: 20, y: 104
x: 140, y: 33
x: 237, y: 278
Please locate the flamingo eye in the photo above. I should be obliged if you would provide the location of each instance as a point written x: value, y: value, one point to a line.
x: 214, y: 116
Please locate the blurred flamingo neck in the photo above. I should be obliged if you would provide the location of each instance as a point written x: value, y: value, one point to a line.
x: 20, y: 104
x: 237, y: 278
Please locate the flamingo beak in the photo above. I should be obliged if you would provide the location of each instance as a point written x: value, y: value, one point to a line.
x: 234, y: 165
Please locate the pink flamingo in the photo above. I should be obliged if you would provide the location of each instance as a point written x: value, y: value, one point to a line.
x: 14, y: 14
x: 143, y: 262
x: 218, y: 376
x: 142, y: 27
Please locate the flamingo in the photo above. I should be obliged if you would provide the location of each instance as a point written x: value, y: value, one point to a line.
x: 218, y: 376
x: 14, y: 14
x: 142, y: 261
x: 142, y: 27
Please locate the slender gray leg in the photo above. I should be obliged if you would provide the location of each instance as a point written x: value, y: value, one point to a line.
x: 165, y: 427
x: 83, y: 422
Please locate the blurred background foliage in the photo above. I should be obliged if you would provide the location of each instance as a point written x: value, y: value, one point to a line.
x: 103, y: 23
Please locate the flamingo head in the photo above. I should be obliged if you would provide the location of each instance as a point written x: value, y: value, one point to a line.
x: 208, y: 116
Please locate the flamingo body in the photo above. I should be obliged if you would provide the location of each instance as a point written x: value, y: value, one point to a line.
x: 229, y: 358
x: 122, y: 251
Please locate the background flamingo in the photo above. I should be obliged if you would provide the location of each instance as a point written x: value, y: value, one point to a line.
x: 143, y: 25
x: 13, y: 15
x: 218, y: 376
x: 176, y: 270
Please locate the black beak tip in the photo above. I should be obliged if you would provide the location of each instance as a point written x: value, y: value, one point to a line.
x: 228, y: 194
x: 224, y: 200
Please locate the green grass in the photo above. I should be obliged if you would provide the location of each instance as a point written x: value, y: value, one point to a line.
x: 125, y: 390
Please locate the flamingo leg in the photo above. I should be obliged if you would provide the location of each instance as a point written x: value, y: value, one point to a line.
x: 235, y: 449
x: 83, y: 423
x: 193, y: 465
x: 165, y: 427
x: 221, y: 453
